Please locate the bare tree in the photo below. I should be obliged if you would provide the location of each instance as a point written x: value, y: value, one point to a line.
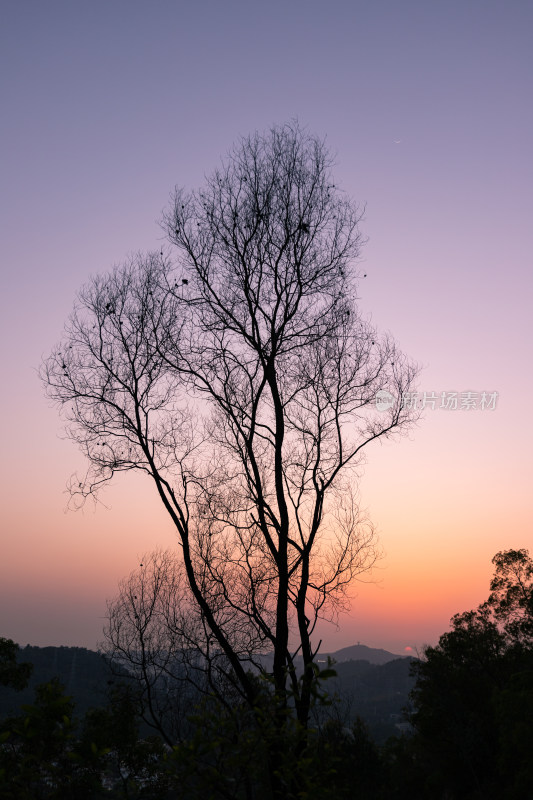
x: 242, y: 379
x: 156, y: 637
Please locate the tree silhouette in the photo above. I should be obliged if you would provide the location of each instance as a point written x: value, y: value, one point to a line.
x: 12, y: 673
x: 473, y: 697
x: 34, y: 752
x: 242, y: 379
x: 511, y: 598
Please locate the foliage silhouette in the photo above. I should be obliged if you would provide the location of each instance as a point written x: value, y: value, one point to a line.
x: 474, y: 694
x: 12, y: 673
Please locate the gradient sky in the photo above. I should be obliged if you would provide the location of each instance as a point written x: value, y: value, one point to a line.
x: 106, y: 106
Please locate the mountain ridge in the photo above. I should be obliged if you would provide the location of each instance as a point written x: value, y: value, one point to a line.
x: 370, y: 682
x: 361, y: 652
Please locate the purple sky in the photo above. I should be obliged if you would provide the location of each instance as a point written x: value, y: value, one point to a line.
x: 106, y: 106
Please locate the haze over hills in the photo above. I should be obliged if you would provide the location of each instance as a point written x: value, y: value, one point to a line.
x: 371, y: 683
x: 83, y: 673
x: 354, y: 652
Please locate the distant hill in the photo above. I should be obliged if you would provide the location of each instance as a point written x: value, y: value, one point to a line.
x: 360, y: 652
x: 356, y: 652
x: 370, y: 683
x: 377, y: 693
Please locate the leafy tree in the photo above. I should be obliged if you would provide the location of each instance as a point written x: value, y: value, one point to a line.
x: 44, y: 755
x: 110, y: 745
x: 34, y: 756
x: 346, y: 763
x: 511, y: 598
x: 12, y: 673
x: 242, y: 380
x: 474, y: 693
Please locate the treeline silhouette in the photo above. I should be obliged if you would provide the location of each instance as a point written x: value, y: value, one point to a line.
x: 83, y: 673
x: 466, y: 731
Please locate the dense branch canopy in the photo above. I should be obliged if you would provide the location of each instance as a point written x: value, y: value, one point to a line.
x: 242, y: 379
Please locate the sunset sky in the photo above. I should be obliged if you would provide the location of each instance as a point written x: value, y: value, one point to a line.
x: 105, y: 107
